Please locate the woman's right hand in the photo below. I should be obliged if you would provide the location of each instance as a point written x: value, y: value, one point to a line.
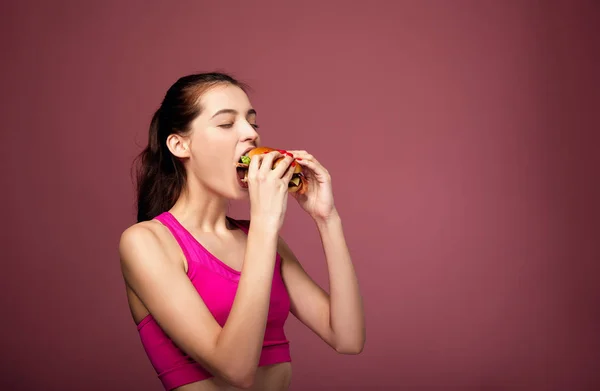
x: 268, y: 188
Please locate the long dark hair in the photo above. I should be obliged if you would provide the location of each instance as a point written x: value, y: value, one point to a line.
x: 160, y: 175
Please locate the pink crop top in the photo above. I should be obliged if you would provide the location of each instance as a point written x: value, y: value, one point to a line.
x: 216, y: 283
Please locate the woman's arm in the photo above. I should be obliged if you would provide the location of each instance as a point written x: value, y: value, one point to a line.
x: 338, y: 317
x: 232, y: 352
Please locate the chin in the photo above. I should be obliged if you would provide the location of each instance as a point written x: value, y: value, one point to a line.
x: 239, y: 193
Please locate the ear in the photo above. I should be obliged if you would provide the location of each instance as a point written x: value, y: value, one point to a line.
x: 178, y: 145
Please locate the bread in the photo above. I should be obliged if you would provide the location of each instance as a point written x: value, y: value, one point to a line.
x: 298, y: 183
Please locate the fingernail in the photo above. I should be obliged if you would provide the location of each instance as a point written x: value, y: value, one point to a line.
x: 293, y: 164
x: 289, y: 154
x: 298, y: 158
x: 282, y: 151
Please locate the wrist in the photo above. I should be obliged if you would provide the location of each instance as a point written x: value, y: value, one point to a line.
x: 264, y: 225
x: 326, y: 221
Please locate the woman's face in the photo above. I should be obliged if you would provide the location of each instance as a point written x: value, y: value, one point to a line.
x: 220, y: 135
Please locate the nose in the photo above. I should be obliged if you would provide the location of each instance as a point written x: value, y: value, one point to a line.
x: 248, y: 133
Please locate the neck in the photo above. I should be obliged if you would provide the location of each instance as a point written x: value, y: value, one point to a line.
x: 200, y: 209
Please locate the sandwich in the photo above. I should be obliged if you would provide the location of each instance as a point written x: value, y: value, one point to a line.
x: 298, y: 183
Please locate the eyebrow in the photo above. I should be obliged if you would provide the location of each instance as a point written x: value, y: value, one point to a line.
x: 232, y: 111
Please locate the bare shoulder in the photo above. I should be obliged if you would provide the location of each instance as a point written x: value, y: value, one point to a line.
x: 140, y: 234
x: 147, y: 237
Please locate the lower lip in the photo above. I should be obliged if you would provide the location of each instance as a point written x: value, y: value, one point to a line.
x: 242, y: 184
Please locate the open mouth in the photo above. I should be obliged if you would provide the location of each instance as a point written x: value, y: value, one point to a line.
x: 241, y: 175
x: 242, y: 168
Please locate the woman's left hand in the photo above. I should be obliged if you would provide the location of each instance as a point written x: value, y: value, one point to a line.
x: 318, y: 199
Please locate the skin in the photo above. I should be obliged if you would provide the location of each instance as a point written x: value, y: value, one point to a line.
x: 154, y: 266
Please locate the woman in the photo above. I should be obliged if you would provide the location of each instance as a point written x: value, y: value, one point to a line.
x: 209, y: 294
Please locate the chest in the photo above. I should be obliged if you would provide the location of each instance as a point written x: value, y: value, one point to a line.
x: 229, y: 250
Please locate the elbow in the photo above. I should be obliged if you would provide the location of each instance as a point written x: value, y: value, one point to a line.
x: 351, y: 346
x: 243, y: 379
x: 245, y: 383
x: 350, y: 349
x: 241, y: 376
x: 349, y: 343
x: 234, y: 371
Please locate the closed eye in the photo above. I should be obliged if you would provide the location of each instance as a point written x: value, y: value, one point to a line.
x: 229, y: 126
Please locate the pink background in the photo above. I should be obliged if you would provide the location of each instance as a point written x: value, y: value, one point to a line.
x: 459, y: 135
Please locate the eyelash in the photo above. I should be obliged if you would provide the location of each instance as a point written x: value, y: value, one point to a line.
x: 228, y: 126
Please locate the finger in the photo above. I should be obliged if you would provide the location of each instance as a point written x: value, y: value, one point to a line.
x: 267, y: 162
x: 300, y: 153
x: 303, y: 155
x: 315, y: 167
x: 289, y: 172
x: 254, y: 166
x: 282, y: 166
x: 309, y: 164
x: 305, y: 159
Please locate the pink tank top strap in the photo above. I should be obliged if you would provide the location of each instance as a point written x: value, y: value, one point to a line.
x: 178, y: 232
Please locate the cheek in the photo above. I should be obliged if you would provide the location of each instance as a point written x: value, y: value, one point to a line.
x: 212, y: 156
x: 208, y: 163
x: 209, y: 151
x: 213, y: 165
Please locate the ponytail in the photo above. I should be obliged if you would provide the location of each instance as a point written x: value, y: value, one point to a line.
x: 160, y: 175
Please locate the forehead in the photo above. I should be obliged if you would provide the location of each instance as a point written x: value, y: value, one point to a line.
x: 225, y: 97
